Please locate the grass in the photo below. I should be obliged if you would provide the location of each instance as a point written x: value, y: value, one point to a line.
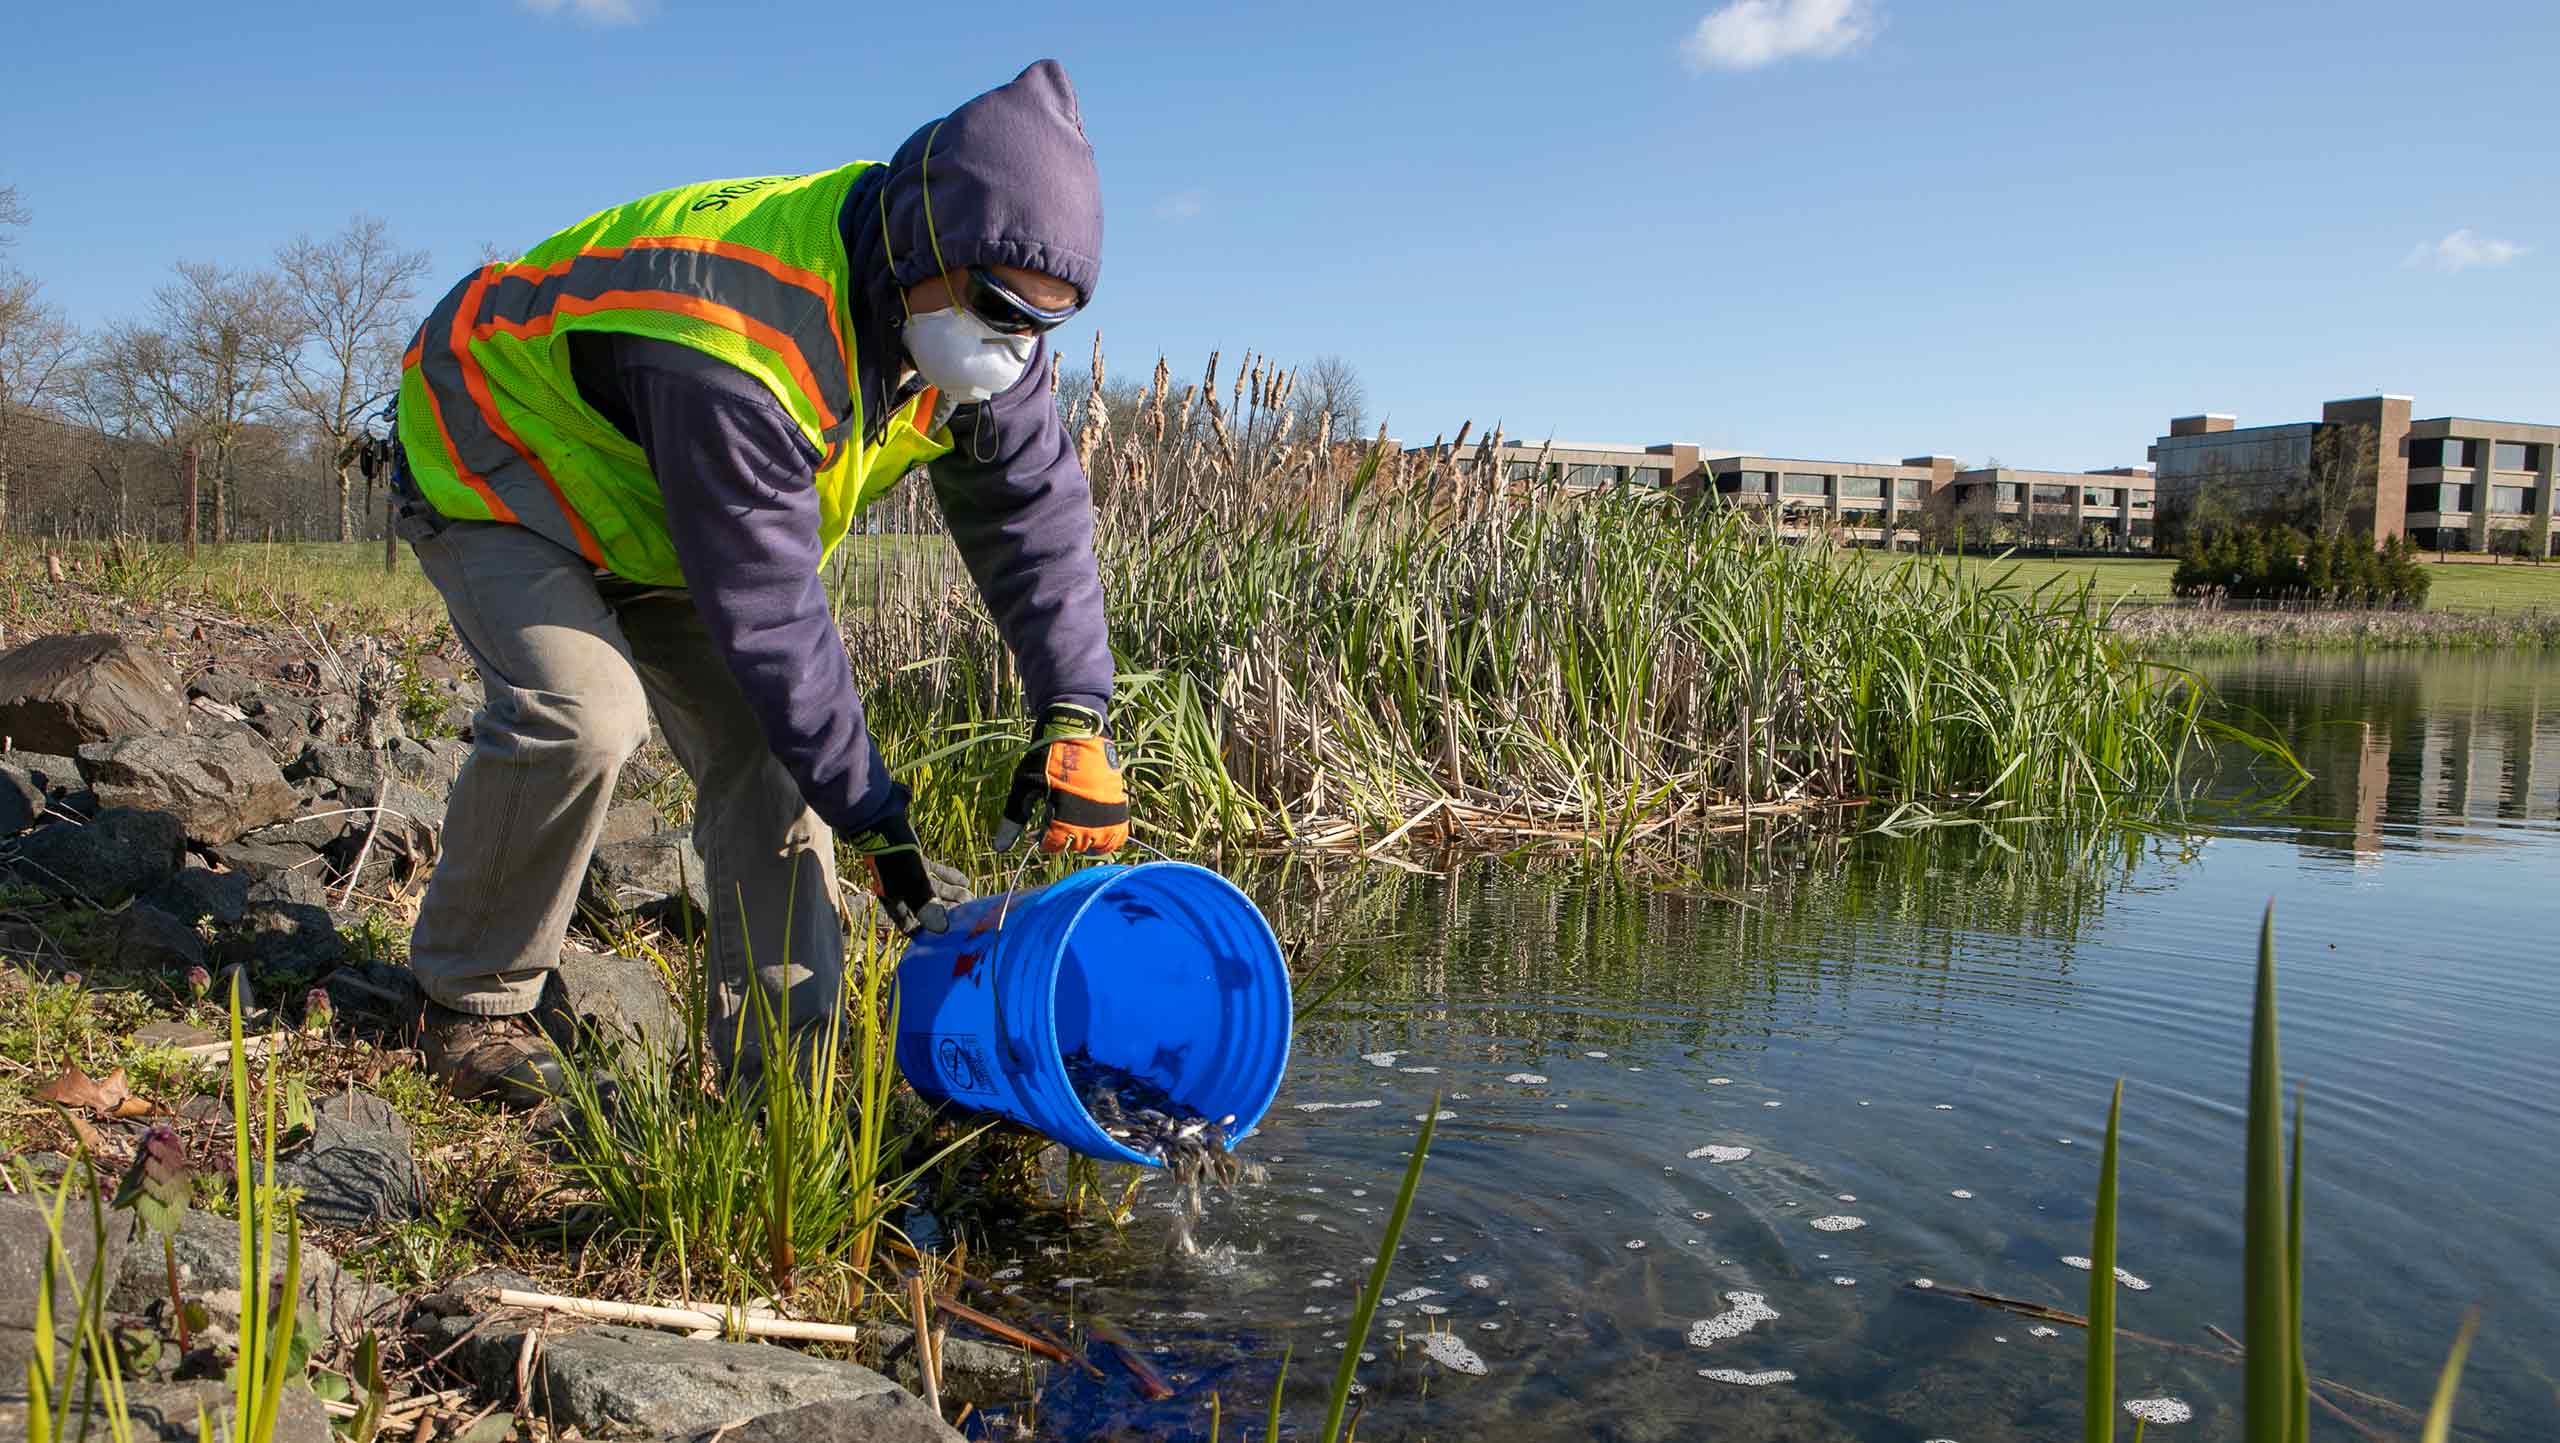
x: 2276, y: 1380
x: 2457, y: 585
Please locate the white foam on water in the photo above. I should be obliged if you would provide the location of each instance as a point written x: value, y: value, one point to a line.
x: 2163, y: 1411
x: 1430, y: 1310
x: 1862, y: 1102
x: 2041, y: 1331
x: 1923, y: 1283
x: 1413, y: 1295
x: 1448, y: 1257
x: 1340, y: 1106
x: 1634, y: 1243
x: 1311, y: 1310
x: 1489, y: 1327
x: 1322, y: 1283
x: 1315, y: 1190
x: 1749, y: 1310
x: 1961, y: 1193
x: 1527, y: 1079
x: 1071, y: 1282
x: 1381, y: 1059
x: 1741, y: 1379
x: 1461, y: 1096
x: 1359, y: 1192
x: 1946, y: 1107
x: 1719, y: 1082
x: 1443, y: 1115
x: 1846, y: 1282
x: 2130, y: 1281
x: 1998, y: 1339
x: 2066, y: 1142
x: 1838, y: 1223
x: 1437, y: 1238
x: 1773, y: 1104
x: 1559, y: 1107
x: 2075, y: 1261
x: 1848, y: 1197
x: 1713, y: 1152
x: 1701, y: 1217
x: 1393, y: 1323
x: 1479, y: 1282
x: 1418, y: 1069
x: 1595, y: 1054
x: 1005, y: 1275
x: 1446, y: 1350
x: 1306, y: 1217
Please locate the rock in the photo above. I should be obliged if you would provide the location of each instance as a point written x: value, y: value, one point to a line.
x: 652, y: 876
x: 614, y: 1380
x: 22, y: 801
x: 149, y: 937
x: 431, y: 766
x: 26, y: 1253
x: 361, y: 1167
x: 120, y: 851
x: 285, y: 724
x: 617, y: 997
x: 207, y: 1249
x: 167, y: 1412
x: 265, y: 861
x: 293, y: 937
x: 892, y: 1417
x: 354, y: 770
x: 59, y: 693
x: 317, y: 834
x: 972, y: 1372
x: 220, y: 784
x: 630, y: 822
x: 197, y: 893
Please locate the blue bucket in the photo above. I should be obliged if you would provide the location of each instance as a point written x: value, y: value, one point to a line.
x: 1164, y: 969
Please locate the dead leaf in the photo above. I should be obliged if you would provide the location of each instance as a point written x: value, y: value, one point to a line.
x: 94, y: 1145
x: 110, y: 1097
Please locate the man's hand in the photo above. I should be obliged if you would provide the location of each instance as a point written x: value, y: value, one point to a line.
x: 917, y: 894
x: 1071, y: 773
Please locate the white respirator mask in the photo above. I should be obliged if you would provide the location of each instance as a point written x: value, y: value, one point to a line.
x: 968, y: 359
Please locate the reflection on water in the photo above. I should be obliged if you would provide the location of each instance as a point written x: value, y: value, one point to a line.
x: 1662, y: 1105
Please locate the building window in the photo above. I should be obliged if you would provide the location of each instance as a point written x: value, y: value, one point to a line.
x: 2106, y: 497
x: 2461, y: 451
x: 1654, y: 477
x: 2422, y: 499
x: 2517, y: 456
x: 2008, y: 493
x: 2511, y: 500
x: 1907, y: 488
x: 1590, y: 476
x: 2426, y: 451
x: 1799, y: 483
x: 1862, y: 488
x: 2059, y: 495
x: 2141, y: 501
x: 1755, y: 483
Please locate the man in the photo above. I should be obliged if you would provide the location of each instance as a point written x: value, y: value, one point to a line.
x: 626, y: 456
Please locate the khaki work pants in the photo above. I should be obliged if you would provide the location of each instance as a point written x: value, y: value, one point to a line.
x: 573, y: 667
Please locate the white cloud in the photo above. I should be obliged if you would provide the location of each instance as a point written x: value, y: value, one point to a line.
x: 592, y: 12
x: 2462, y: 250
x: 1748, y: 34
x: 1180, y: 206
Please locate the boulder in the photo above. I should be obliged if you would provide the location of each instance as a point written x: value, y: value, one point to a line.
x: 167, y: 1412
x: 361, y: 1167
x: 59, y: 693
x: 357, y: 772
x: 207, y: 1248
x: 120, y: 851
x: 22, y: 801
x: 231, y: 688
x: 265, y: 861
x: 26, y: 1254
x: 614, y: 1381
x: 149, y: 937
x: 195, y: 894
x: 220, y: 784
x: 285, y: 724
x: 430, y: 766
x: 618, y: 998
x: 657, y: 876
x: 295, y: 938
x: 887, y: 1417
x: 629, y: 822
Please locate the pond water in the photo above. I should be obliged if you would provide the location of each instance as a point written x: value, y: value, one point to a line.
x: 1918, y: 1033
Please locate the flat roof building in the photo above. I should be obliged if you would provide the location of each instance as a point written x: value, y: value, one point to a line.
x: 2450, y: 483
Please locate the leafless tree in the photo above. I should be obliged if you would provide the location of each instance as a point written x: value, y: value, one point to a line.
x: 350, y: 297
x: 13, y: 211
x: 1332, y: 398
x: 36, y: 347
x: 2336, y: 481
x: 228, y: 333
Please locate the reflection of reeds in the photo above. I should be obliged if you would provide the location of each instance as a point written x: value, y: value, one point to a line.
x: 1328, y: 643
x: 2278, y: 1385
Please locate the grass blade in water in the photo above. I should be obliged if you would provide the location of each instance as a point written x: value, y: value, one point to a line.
x: 2273, y: 1342
x: 2440, y: 1412
x: 1368, y: 1308
x: 1271, y: 1427
x: 2299, y: 1425
x: 2099, y: 1403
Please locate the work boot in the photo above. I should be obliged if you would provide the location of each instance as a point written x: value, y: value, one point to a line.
x: 507, y: 1060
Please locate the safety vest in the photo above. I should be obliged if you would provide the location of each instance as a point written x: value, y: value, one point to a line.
x: 750, y: 271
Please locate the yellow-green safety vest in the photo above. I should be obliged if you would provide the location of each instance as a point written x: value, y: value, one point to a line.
x: 750, y: 271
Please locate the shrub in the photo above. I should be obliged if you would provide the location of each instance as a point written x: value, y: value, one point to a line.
x: 2262, y: 563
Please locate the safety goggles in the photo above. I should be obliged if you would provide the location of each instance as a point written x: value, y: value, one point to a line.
x: 1007, y: 312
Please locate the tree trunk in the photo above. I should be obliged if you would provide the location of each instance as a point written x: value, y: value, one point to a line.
x: 221, y: 493
x: 346, y: 518
x: 390, y: 533
x: 192, y: 518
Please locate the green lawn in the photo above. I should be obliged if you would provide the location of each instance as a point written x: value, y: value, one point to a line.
x: 2464, y: 584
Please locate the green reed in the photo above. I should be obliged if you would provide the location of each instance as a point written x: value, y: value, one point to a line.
x: 1366, y: 1311
x: 2276, y: 1380
x: 1319, y: 633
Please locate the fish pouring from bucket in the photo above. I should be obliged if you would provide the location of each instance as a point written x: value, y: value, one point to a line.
x: 1138, y: 1113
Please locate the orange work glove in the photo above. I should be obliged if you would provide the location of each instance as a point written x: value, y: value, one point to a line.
x: 1072, y: 773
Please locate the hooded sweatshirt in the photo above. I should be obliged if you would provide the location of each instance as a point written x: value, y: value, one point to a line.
x: 1013, y: 183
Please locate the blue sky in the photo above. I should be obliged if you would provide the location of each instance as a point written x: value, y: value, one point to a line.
x: 1805, y: 227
